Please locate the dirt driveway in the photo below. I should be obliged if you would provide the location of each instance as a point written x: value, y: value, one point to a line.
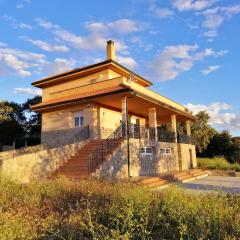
x: 214, y: 183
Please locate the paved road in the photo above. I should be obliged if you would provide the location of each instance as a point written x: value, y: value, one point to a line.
x: 214, y: 183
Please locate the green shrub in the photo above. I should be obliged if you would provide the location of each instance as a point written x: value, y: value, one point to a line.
x: 54, y: 210
x: 217, y: 163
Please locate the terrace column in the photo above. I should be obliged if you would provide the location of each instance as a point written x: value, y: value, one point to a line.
x: 124, y: 106
x: 152, y: 115
x: 188, y: 127
x: 174, y: 126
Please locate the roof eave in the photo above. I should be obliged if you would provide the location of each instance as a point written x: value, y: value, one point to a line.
x: 40, y: 83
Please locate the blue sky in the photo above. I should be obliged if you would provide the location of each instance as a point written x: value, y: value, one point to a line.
x: 188, y: 48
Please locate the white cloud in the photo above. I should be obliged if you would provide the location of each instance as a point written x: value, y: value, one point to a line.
x: 210, y: 69
x: 210, y: 34
x: 192, y: 5
x: 30, y: 91
x: 163, y: 12
x: 48, y: 47
x: 173, y: 60
x: 121, y: 26
x: 60, y: 65
x: 215, y: 17
x: 100, y: 33
x: 18, y: 25
x: 160, y: 12
x: 124, y: 26
x: 19, y: 6
x: 220, y: 114
x: 127, y: 61
x: 20, y: 61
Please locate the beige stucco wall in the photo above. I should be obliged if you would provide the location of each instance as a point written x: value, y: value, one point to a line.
x: 102, y: 121
x: 33, y: 163
x: 79, y: 85
x: 63, y: 118
x: 184, y: 156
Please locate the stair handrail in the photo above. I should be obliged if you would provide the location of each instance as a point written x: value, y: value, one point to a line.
x: 96, y: 157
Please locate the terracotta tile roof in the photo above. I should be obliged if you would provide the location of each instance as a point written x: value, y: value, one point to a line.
x: 78, y: 96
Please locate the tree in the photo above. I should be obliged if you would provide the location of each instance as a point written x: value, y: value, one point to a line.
x: 202, y: 131
x: 219, y: 145
x: 33, y: 126
x: 17, y: 121
x: 234, y: 151
x: 223, y: 144
x: 12, y: 121
x: 5, y: 110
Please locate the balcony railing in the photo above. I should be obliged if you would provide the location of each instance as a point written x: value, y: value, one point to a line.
x: 138, y: 132
x: 185, y: 139
x: 166, y: 136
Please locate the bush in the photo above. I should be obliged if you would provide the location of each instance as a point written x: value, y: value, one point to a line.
x: 100, y: 210
x: 217, y: 163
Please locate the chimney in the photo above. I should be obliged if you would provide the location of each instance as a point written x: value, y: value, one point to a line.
x: 111, y: 50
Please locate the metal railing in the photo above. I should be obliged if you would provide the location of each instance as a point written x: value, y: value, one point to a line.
x: 96, y: 158
x: 185, y: 139
x: 166, y: 136
x: 139, y: 132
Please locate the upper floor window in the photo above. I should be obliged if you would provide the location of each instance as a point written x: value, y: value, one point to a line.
x: 78, y: 119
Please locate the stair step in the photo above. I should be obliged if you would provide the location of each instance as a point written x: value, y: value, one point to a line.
x: 77, y: 165
x: 180, y: 174
x: 149, y: 180
x: 180, y: 178
x: 156, y: 184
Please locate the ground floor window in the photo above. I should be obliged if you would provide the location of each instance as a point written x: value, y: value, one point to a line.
x: 166, y: 151
x: 146, y: 150
x: 78, y: 119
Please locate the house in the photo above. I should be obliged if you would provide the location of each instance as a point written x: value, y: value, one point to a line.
x: 119, y: 120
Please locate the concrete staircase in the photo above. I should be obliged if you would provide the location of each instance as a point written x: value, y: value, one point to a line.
x: 188, y: 175
x: 153, y: 182
x: 77, y: 167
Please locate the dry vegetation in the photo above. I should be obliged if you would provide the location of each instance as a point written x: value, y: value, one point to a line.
x: 101, y: 210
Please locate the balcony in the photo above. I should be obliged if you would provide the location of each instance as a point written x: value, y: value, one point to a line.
x: 140, y: 132
x: 185, y: 139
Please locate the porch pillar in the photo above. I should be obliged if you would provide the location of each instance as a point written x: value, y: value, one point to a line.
x: 152, y: 115
x: 188, y: 127
x: 124, y: 106
x: 125, y: 129
x: 174, y: 126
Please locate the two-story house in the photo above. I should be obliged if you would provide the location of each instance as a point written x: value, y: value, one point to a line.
x: 121, y: 120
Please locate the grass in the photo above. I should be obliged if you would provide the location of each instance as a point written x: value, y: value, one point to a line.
x: 217, y: 163
x: 55, y: 210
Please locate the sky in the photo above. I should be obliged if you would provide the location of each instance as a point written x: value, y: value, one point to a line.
x: 189, y: 49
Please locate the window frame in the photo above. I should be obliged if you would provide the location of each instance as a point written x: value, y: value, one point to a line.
x: 144, y: 152
x: 166, y: 151
x: 78, y: 116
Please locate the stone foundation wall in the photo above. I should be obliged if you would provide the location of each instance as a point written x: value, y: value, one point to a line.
x: 116, y: 166
x: 34, y: 163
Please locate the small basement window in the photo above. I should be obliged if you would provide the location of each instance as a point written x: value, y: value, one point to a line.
x: 78, y: 119
x: 166, y: 151
x: 146, y: 150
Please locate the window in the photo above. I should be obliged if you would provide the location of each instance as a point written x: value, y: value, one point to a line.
x: 166, y: 151
x: 146, y: 150
x: 78, y: 119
